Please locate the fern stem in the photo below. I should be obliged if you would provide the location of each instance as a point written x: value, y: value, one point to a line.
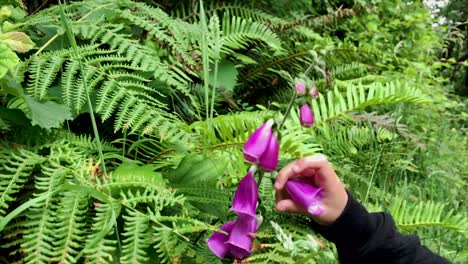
x: 124, y: 142
x: 71, y: 38
x: 46, y: 44
x: 205, y: 59
x: 217, y: 50
x: 373, y: 173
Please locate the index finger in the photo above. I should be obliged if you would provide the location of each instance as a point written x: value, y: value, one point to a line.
x: 317, y: 162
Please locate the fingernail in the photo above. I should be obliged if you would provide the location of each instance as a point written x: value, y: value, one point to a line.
x: 295, y: 169
x: 316, y: 157
x: 277, y: 185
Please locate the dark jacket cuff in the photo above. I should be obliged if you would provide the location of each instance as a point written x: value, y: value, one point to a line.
x: 352, y: 229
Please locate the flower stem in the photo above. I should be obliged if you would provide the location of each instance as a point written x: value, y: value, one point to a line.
x: 293, y: 98
x: 288, y: 110
x: 260, y: 178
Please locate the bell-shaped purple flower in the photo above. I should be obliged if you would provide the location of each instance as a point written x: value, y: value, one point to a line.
x: 258, y: 142
x: 217, y: 241
x: 300, y: 88
x: 314, y: 93
x: 246, y: 196
x: 262, y: 147
x: 238, y: 242
x: 305, y: 195
x: 241, y: 237
x: 306, y: 115
x: 269, y: 159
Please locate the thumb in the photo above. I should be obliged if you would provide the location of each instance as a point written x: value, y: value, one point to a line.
x: 288, y: 205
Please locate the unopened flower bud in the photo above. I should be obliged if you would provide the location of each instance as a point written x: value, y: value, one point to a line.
x: 300, y: 88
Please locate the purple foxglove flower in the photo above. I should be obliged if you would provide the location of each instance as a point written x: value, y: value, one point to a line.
x: 241, y: 239
x: 238, y: 242
x: 269, y: 159
x: 305, y: 195
x: 306, y: 115
x: 258, y: 143
x: 246, y: 196
x: 314, y: 92
x: 217, y: 241
x: 300, y: 88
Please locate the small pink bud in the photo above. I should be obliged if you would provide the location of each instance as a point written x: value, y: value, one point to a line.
x: 300, y: 88
x: 314, y: 93
x: 306, y: 115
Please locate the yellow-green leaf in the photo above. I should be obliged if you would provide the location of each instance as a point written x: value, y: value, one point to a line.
x: 18, y: 41
x: 8, y: 59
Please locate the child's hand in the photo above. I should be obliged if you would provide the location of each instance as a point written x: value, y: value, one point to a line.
x: 317, y: 170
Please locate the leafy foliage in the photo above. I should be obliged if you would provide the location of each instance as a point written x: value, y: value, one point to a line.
x: 179, y: 91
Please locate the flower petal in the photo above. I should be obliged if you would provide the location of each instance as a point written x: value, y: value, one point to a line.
x: 239, y: 253
x: 241, y: 234
x: 246, y: 196
x: 306, y: 195
x: 217, y: 241
x: 258, y: 142
x: 269, y: 160
x: 306, y: 115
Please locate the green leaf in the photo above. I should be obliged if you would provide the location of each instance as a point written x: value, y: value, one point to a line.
x: 128, y: 171
x: 196, y: 168
x: 47, y: 114
x: 18, y: 41
x: 227, y: 76
x: 8, y: 59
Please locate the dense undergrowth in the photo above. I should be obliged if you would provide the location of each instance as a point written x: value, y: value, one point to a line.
x: 122, y: 124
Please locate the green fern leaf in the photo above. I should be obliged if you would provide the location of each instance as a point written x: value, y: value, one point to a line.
x: 136, y: 238
x: 427, y: 214
x: 38, y: 236
x: 104, y: 250
x: 70, y: 227
x: 15, y: 169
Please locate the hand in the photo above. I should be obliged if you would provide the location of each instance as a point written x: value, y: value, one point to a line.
x: 316, y: 169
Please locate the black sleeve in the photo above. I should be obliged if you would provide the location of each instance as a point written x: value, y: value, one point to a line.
x: 362, y: 237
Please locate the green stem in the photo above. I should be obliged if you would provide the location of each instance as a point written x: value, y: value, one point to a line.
x: 308, y: 69
x: 260, y: 177
x: 76, y: 55
x: 373, y: 173
x: 293, y: 99
x: 288, y: 110
x: 205, y: 59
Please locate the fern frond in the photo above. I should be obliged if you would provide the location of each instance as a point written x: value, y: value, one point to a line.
x: 166, y: 244
x: 427, y: 214
x: 295, y: 62
x: 233, y: 8
x: 43, y: 73
x: 161, y: 27
x: 105, y: 248
x: 70, y: 227
x: 238, y: 31
x: 136, y: 238
x: 348, y: 139
x: 334, y: 104
x: 232, y: 128
x: 205, y: 194
x: 156, y: 199
x: 38, y: 236
x: 15, y: 169
x: 170, y: 242
x: 269, y: 257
